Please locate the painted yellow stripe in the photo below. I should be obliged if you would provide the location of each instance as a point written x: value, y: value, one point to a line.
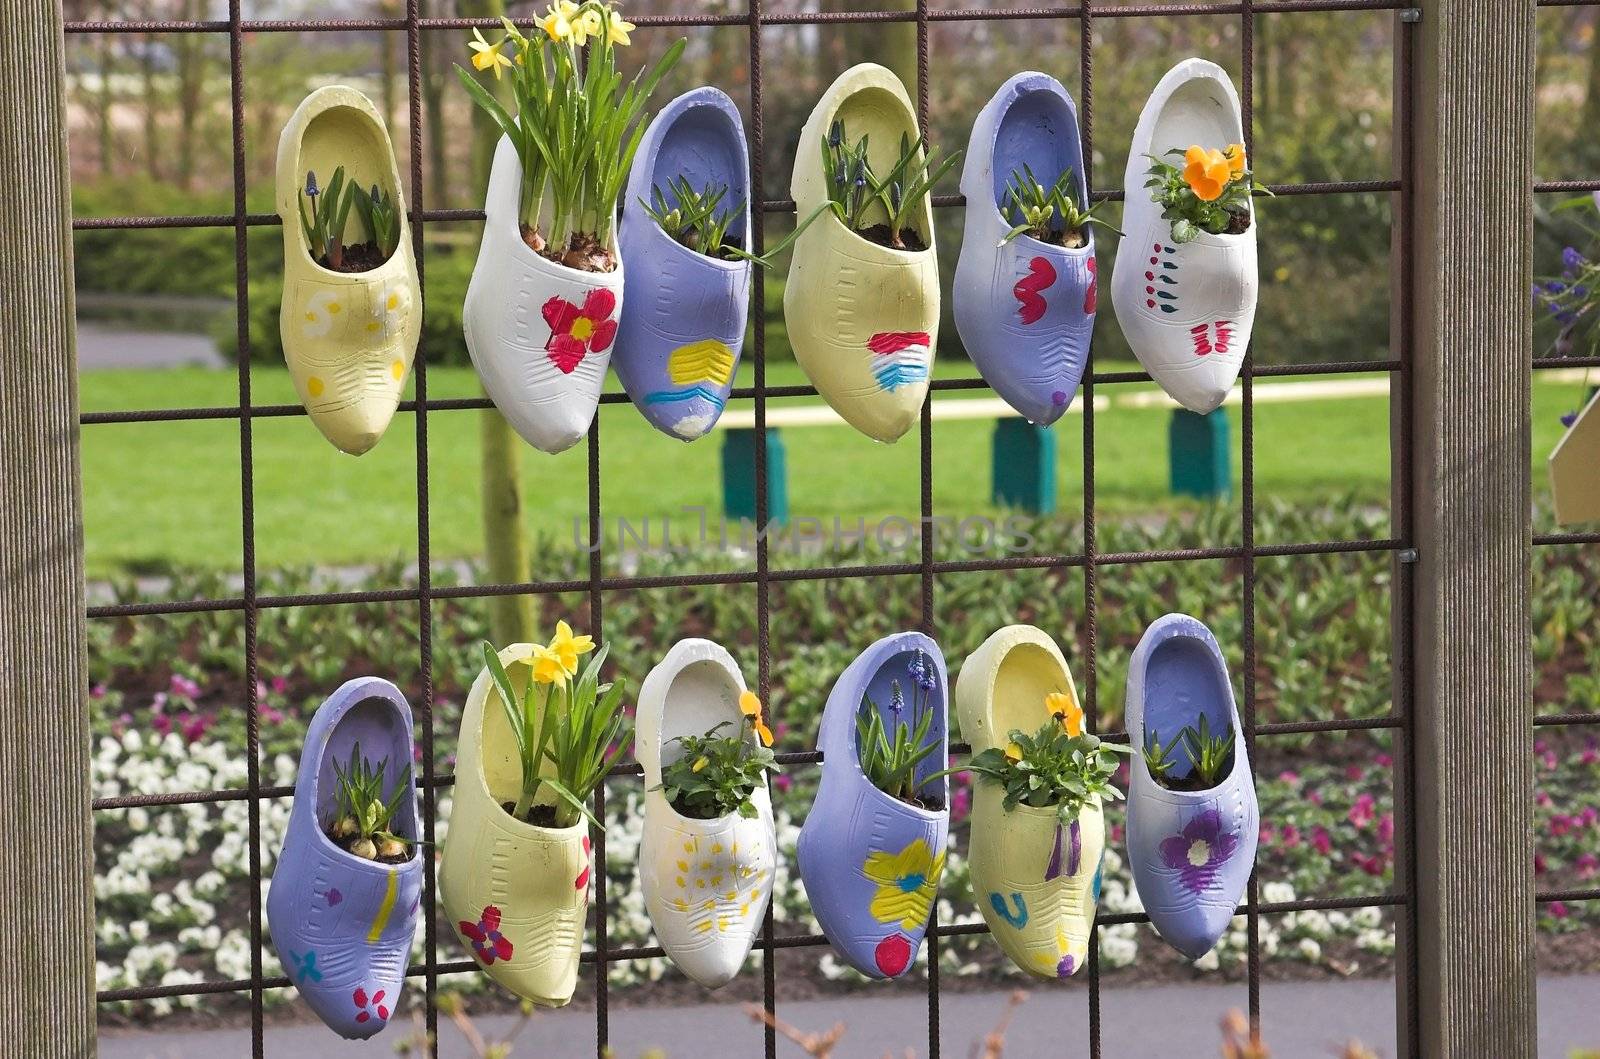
x: 381, y: 920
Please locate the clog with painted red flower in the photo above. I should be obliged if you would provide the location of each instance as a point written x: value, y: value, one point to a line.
x: 540, y: 333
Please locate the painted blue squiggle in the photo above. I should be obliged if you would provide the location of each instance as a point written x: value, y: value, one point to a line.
x: 1017, y: 916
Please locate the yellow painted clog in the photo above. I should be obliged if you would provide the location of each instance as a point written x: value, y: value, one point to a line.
x: 349, y: 338
x: 1037, y: 881
x: 515, y: 893
x: 1575, y: 468
x: 863, y: 318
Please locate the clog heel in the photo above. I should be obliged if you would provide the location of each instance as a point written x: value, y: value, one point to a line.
x: 681, y: 336
x: 516, y: 893
x: 706, y: 882
x: 343, y: 925
x: 863, y: 318
x: 1025, y: 309
x: 1037, y: 881
x: 1191, y: 851
x: 1186, y: 309
x: 870, y: 862
x: 540, y: 333
x: 348, y: 337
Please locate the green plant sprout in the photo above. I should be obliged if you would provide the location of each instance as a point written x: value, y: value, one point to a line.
x: 1211, y: 755
x: 1158, y: 755
x: 363, y: 818
x: 890, y: 754
x: 382, y: 219
x: 696, y: 222
x: 1033, y: 208
x: 716, y: 774
x: 324, y: 225
x: 858, y: 194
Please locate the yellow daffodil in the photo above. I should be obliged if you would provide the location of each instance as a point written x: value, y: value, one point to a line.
x: 547, y: 667
x: 1234, y: 153
x: 1064, y: 708
x: 618, y: 28
x: 486, y: 56
x: 557, y: 26
x: 567, y: 648
x: 700, y: 764
x: 589, y: 24
x: 750, y: 706
x: 1206, y: 172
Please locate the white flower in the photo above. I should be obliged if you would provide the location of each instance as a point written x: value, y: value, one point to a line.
x: 1209, y: 962
x: 1277, y: 893
x: 1309, y: 949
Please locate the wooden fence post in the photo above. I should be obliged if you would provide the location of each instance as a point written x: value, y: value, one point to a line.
x: 46, y: 855
x: 1473, y: 81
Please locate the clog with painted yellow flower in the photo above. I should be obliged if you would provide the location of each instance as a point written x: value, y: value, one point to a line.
x: 683, y: 330
x: 515, y: 893
x: 863, y: 318
x: 343, y: 925
x: 1036, y: 880
x: 706, y: 882
x: 871, y: 862
x: 1187, y: 309
x: 349, y: 337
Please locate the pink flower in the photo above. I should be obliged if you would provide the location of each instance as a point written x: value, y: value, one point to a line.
x: 1361, y: 813
x: 1352, y: 772
x: 960, y: 805
x: 1541, y: 798
x: 279, y: 685
x: 181, y: 685
x: 1538, y: 864
x: 1587, y: 864
x: 1320, y: 840
x: 161, y: 723
x: 1560, y: 824
x: 1288, y: 776
x: 1558, y: 909
x: 1384, y: 760
x: 1291, y: 836
x: 782, y: 782
x: 1386, y: 830
x: 195, y: 728
x: 270, y: 715
x: 97, y: 691
x: 1314, y: 797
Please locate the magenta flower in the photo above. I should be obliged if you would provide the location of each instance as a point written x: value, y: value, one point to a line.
x: 1320, y: 840
x: 1558, y: 909
x: 1199, y: 851
x: 1361, y: 813
x: 181, y: 685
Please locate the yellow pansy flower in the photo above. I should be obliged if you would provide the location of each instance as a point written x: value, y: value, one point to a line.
x: 1013, y: 753
x: 700, y: 764
x: 1206, y: 172
x: 1234, y: 153
x: 750, y: 706
x: 486, y: 56
x: 907, y: 882
x: 1064, y: 708
x: 566, y: 648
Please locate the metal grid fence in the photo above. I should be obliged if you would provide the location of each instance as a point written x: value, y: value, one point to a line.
x: 1086, y: 13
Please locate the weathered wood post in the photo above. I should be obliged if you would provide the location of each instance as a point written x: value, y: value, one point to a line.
x: 1469, y: 448
x: 46, y: 856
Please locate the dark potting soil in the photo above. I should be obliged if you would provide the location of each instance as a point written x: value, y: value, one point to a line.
x: 1191, y: 782
x: 879, y: 233
x: 1072, y: 240
x: 688, y: 242
x: 1238, y: 223
x: 346, y: 843
x: 583, y: 251
x: 357, y: 257
x: 538, y: 815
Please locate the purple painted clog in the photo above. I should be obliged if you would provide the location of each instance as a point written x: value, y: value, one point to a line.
x: 1025, y: 309
x: 870, y: 862
x: 1191, y: 851
x: 684, y: 316
x: 342, y: 925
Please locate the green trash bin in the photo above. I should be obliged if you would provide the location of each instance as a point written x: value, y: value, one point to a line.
x: 1198, y: 456
x: 1024, y: 466
x: 739, y: 476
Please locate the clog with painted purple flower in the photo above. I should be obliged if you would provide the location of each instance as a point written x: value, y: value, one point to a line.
x: 1191, y: 849
x: 1025, y: 308
x: 871, y: 863
x: 1037, y: 880
x: 681, y: 336
x: 343, y: 925
x: 863, y: 318
x: 1186, y: 309
x: 348, y: 337
x: 516, y: 893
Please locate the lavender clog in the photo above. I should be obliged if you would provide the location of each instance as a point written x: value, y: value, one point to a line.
x: 683, y: 326
x: 342, y: 925
x: 1191, y: 851
x: 1025, y: 309
x: 870, y: 862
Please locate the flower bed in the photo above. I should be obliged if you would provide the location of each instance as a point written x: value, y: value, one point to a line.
x: 171, y: 882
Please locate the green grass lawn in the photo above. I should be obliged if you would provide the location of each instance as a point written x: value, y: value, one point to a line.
x: 165, y: 495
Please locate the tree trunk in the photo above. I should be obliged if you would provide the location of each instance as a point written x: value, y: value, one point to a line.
x: 434, y: 74
x: 191, y: 90
x: 511, y: 618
